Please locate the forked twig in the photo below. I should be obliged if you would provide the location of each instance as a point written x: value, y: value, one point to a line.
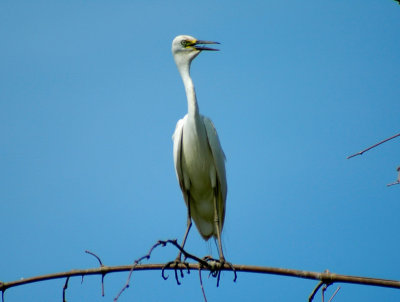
x: 373, y: 146
x: 135, y: 263
x: 324, y: 288
x: 325, y: 283
x: 311, y: 297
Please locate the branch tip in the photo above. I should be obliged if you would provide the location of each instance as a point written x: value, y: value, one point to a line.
x: 94, y: 255
x: 373, y: 146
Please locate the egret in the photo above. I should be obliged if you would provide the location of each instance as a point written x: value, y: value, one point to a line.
x: 198, y: 156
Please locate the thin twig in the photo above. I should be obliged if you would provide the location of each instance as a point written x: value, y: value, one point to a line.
x: 324, y: 288
x: 65, y: 288
x: 393, y: 183
x: 201, y: 285
x: 94, y: 255
x: 334, y: 294
x: 135, y: 263
x: 311, y: 297
x: 101, y: 265
x: 398, y: 178
x: 373, y: 146
x: 102, y: 285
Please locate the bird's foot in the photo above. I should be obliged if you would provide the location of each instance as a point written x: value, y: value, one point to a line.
x: 217, y: 265
x: 175, y: 265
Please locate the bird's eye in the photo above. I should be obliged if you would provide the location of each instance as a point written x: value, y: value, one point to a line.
x: 184, y: 43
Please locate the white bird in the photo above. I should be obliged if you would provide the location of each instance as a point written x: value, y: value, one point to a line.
x: 198, y: 156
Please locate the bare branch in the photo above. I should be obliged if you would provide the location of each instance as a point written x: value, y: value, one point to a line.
x: 373, y: 146
x: 325, y: 277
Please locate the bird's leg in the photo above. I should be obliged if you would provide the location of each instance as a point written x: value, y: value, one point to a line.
x: 222, y: 262
x: 216, y: 271
x: 189, y: 225
x: 178, y: 261
x: 218, y: 227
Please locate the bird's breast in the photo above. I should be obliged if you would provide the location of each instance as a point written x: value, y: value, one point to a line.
x: 197, y: 159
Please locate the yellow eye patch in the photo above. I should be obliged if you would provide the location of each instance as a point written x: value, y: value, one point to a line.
x: 187, y: 43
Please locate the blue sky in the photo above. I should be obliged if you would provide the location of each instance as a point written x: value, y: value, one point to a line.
x: 89, y: 99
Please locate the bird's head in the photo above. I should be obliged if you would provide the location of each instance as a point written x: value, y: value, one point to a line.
x: 186, y: 48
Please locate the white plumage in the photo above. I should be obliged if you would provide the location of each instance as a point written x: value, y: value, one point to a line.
x: 198, y: 156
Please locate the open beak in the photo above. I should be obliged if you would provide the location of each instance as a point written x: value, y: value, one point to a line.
x: 198, y: 45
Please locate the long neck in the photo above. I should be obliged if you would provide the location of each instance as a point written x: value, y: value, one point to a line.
x: 193, y: 108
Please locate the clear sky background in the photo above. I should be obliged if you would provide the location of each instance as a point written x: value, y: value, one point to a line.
x: 89, y: 99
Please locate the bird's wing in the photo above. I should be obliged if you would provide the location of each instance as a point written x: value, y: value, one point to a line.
x: 177, y: 139
x: 219, y: 161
